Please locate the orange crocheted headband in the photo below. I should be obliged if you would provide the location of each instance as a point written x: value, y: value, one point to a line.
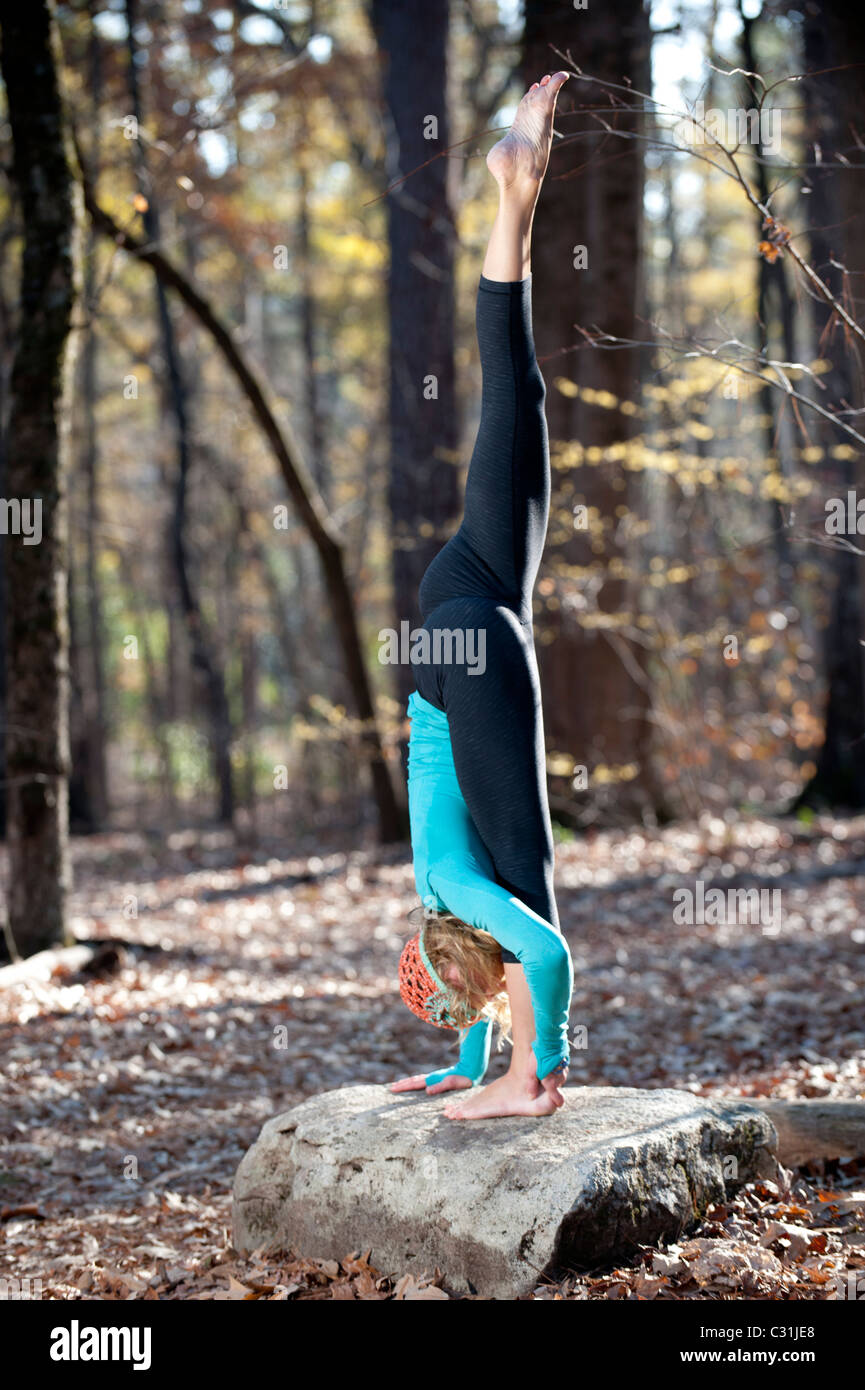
x: 421, y: 989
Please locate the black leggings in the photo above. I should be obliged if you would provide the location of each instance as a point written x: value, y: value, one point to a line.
x: 483, y: 579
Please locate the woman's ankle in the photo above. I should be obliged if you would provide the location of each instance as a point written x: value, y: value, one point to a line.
x: 523, y: 1068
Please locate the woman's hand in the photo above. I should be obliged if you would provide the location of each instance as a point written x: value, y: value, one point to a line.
x: 553, y: 1083
x: 418, y: 1083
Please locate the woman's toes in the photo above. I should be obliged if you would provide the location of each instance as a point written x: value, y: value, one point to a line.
x: 534, y: 87
x: 545, y: 80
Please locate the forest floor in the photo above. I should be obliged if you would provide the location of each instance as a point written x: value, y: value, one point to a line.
x: 132, y: 1090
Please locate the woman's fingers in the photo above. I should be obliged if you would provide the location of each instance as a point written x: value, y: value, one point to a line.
x: 552, y: 1085
x: 418, y: 1083
x: 451, y: 1083
x: 560, y: 1075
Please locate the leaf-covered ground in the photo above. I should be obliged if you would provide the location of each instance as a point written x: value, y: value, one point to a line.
x: 246, y: 981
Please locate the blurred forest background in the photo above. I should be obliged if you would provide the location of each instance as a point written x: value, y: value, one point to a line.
x: 239, y: 386
x: 264, y: 231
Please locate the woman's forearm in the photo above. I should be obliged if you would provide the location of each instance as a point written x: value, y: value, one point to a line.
x: 522, y: 1019
x: 474, y: 1055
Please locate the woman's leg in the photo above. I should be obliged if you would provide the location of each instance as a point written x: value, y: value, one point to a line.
x: 496, y: 732
x: 495, y: 718
x: 484, y: 576
x: 497, y: 549
x: 497, y: 738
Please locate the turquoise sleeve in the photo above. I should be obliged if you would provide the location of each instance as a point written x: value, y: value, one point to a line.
x: 474, y: 1055
x: 540, y: 949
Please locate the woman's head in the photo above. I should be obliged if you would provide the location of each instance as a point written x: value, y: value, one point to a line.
x: 450, y: 974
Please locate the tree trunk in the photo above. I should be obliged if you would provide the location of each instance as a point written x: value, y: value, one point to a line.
x: 835, y: 38
x: 596, y: 692
x: 95, y: 709
x: 423, y: 489
x: 204, y: 660
x: 308, y: 325
x: 37, y: 749
x: 771, y: 285
x: 157, y: 700
x: 4, y: 492
x: 815, y: 1129
x: 88, y: 785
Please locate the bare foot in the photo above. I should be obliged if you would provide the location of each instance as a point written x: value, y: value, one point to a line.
x: 510, y: 1095
x: 523, y: 153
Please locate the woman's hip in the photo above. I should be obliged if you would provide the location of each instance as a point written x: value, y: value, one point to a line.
x: 473, y: 642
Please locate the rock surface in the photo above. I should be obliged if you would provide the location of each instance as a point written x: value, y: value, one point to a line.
x: 497, y: 1204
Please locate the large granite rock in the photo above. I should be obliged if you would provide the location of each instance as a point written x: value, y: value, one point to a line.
x: 496, y: 1204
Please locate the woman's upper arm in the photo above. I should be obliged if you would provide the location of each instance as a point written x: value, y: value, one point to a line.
x: 483, y: 903
x: 540, y: 949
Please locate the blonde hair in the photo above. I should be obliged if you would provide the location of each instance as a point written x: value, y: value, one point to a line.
x: 478, y: 959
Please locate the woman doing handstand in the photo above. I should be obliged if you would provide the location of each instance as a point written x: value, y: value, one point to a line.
x: 490, y: 947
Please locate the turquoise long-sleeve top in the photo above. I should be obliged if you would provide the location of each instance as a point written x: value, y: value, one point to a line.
x: 454, y: 873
